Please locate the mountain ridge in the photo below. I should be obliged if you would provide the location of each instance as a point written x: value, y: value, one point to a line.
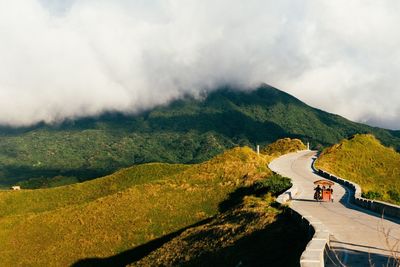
x: 187, y: 130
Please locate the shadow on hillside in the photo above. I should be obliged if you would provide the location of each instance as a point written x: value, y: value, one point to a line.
x: 232, y: 124
x: 135, y: 254
x: 16, y: 174
x: 280, y: 243
x: 306, y: 200
x: 236, y: 197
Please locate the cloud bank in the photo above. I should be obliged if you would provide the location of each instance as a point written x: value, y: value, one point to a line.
x: 65, y: 59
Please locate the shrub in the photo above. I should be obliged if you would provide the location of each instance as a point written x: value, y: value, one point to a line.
x: 394, y: 195
x: 275, y: 184
x: 272, y: 185
x: 371, y: 195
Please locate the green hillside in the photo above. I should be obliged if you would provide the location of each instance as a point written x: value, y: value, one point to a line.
x: 364, y: 160
x: 113, y: 214
x: 185, y: 131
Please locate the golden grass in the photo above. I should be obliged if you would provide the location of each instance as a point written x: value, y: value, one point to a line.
x: 364, y: 160
x: 250, y: 233
x: 283, y: 146
x: 99, y: 218
x: 39, y: 200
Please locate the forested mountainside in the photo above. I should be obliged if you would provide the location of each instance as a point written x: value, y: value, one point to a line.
x: 188, y: 130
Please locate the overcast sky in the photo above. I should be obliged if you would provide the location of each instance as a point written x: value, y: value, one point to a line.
x: 67, y: 58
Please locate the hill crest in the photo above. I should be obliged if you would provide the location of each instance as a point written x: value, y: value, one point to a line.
x: 364, y: 160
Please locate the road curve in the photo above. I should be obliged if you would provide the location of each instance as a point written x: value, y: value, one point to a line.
x: 357, y: 235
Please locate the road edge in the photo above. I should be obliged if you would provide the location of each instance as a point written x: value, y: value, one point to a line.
x: 318, y: 246
x: 384, y: 209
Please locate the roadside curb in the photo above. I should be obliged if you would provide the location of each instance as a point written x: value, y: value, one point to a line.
x: 318, y: 246
x: 380, y: 207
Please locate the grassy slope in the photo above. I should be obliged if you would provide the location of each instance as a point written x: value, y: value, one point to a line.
x: 186, y: 131
x: 283, y: 146
x: 120, y: 219
x: 249, y: 230
x: 39, y: 200
x: 251, y: 234
x: 364, y: 160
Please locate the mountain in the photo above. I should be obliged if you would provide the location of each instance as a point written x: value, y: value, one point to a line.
x: 364, y: 160
x: 188, y: 130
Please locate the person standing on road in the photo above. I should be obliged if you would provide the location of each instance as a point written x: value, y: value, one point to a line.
x: 331, y: 190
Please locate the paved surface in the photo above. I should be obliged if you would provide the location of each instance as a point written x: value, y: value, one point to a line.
x: 357, y: 236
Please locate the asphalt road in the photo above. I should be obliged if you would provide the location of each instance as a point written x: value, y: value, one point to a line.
x: 358, y: 237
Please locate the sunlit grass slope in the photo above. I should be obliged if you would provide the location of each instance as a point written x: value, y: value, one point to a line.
x: 58, y: 226
x: 39, y: 200
x: 255, y: 233
x: 283, y: 146
x: 364, y: 160
x: 249, y: 230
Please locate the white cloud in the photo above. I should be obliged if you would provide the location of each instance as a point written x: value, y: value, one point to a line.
x: 71, y: 58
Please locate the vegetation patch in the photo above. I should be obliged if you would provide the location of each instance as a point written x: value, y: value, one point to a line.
x: 275, y: 185
x: 364, y: 160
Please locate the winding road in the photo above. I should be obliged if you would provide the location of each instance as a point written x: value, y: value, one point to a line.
x: 358, y: 237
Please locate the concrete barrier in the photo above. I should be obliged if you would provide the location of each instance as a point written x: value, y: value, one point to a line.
x: 287, y: 195
x: 383, y: 208
x: 318, y: 246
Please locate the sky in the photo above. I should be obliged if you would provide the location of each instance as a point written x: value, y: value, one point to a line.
x: 67, y: 58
